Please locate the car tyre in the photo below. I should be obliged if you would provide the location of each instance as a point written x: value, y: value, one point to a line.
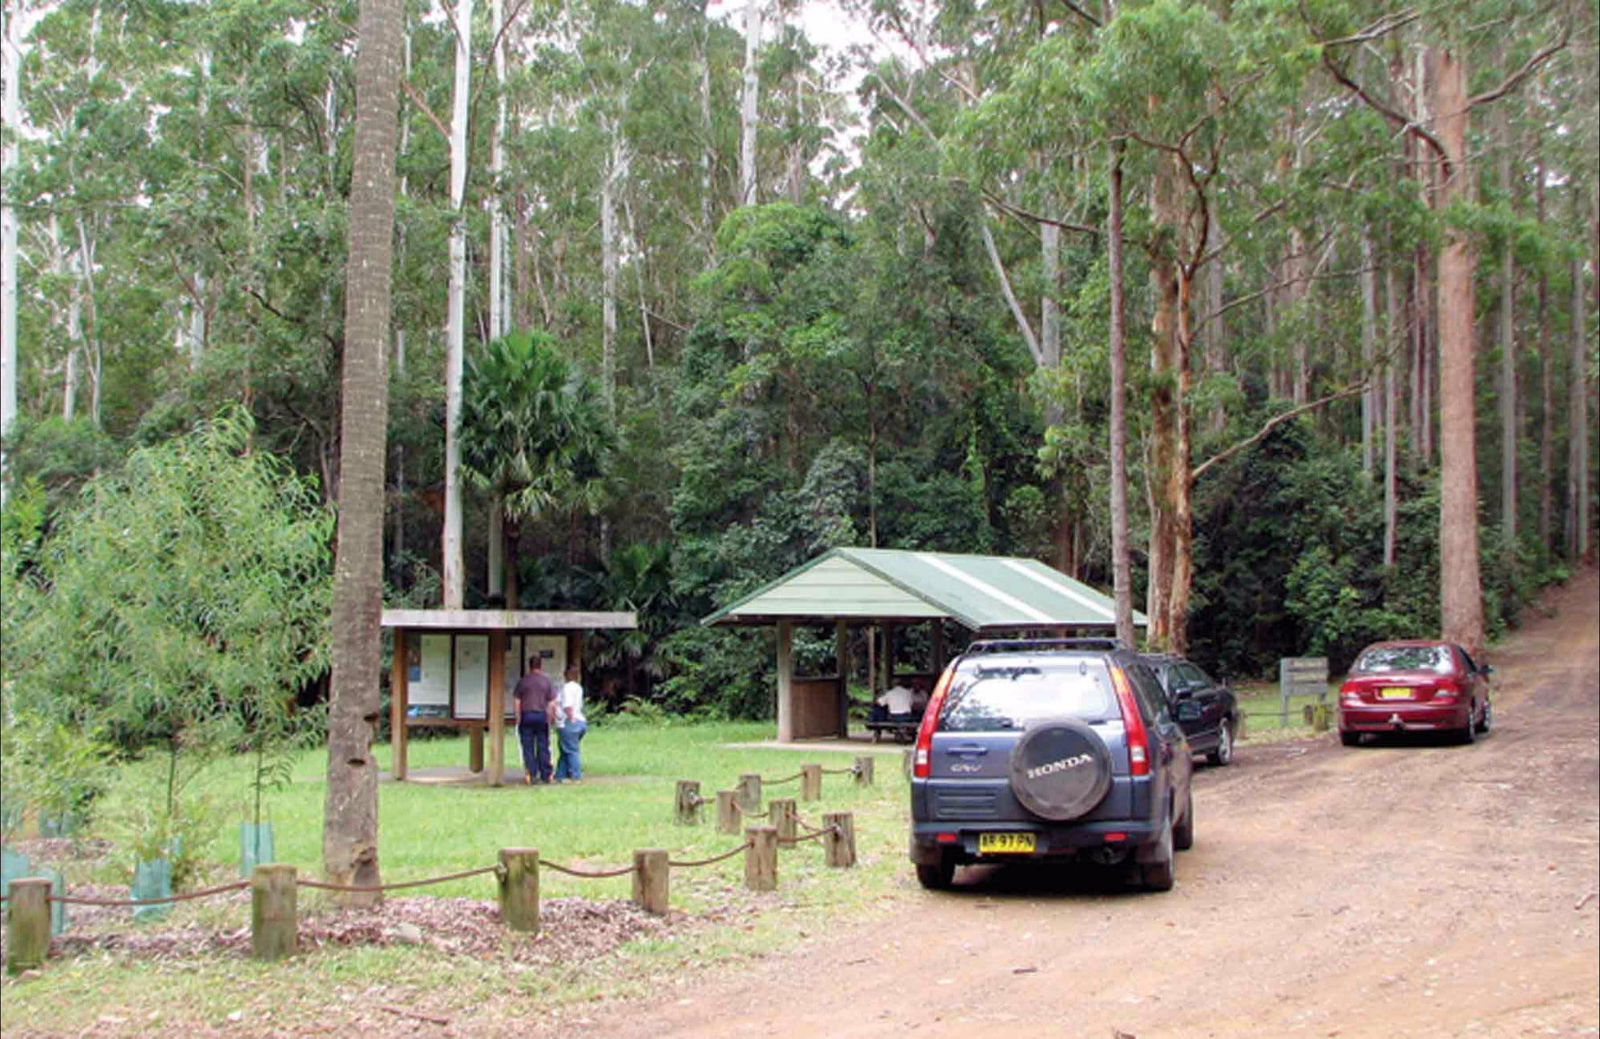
x: 1487, y: 721
x: 936, y: 876
x: 1160, y: 874
x: 1222, y: 753
x: 1183, y: 833
x: 1469, y: 735
x: 1350, y: 739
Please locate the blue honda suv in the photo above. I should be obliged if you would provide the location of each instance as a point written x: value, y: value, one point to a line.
x: 1050, y: 750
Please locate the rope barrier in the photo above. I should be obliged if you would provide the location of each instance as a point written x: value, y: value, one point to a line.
x: 589, y: 874
x: 818, y: 835
x: 785, y: 779
x: 84, y: 900
x: 852, y: 770
x: 713, y: 859
x: 375, y: 888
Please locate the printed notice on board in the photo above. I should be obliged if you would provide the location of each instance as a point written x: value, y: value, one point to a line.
x: 472, y: 676
x: 428, y: 672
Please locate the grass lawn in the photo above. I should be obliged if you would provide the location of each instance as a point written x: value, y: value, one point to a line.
x: 1261, y: 704
x: 429, y: 829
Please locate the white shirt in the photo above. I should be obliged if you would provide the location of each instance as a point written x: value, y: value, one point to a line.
x: 572, y: 697
x: 898, y: 699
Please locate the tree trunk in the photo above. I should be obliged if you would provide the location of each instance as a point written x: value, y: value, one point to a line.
x: 616, y: 171
x: 1461, y: 590
x: 10, y: 127
x: 1120, y: 564
x: 1050, y: 314
x: 453, y: 565
x: 1369, y: 349
x: 1169, y: 465
x: 1508, y: 348
x: 749, y: 111
x: 1547, y: 387
x: 350, y: 819
x: 1578, y: 428
x: 1391, y: 415
x: 498, y: 311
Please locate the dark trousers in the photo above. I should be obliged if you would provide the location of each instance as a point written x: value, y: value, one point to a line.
x: 533, y: 730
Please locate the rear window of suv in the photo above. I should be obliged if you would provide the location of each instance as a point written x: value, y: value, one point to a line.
x: 999, y: 697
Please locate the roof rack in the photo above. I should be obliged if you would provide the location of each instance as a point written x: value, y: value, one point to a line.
x: 1101, y: 643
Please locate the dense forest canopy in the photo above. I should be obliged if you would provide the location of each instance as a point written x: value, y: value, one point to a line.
x: 763, y: 297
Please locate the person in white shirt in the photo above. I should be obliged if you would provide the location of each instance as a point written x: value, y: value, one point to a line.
x: 897, y: 700
x: 569, y: 709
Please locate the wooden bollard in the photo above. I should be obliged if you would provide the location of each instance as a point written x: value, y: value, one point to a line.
x: 274, y: 912
x: 27, y: 924
x: 905, y: 762
x: 650, y: 872
x: 1238, y: 727
x: 810, y: 782
x: 864, y: 770
x: 1320, y: 716
x: 750, y: 792
x: 688, y: 802
x: 783, y: 816
x: 727, y: 811
x: 839, y: 846
x: 761, y: 858
x: 519, y: 889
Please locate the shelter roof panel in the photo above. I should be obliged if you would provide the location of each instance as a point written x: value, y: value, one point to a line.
x: 982, y: 592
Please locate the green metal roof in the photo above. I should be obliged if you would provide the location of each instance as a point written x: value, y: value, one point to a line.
x: 879, y: 584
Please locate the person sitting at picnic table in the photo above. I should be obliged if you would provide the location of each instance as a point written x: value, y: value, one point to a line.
x: 919, y: 696
x: 897, y: 699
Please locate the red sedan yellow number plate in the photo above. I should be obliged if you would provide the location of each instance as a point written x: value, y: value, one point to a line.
x: 1393, y: 693
x: 1005, y: 844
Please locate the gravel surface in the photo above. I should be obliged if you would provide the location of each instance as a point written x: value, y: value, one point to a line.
x: 1409, y: 889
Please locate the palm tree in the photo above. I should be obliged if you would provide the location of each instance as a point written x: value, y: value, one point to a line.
x: 533, y: 433
x: 350, y: 815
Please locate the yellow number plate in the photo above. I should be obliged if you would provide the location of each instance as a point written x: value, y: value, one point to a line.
x: 1005, y: 843
x: 1393, y: 693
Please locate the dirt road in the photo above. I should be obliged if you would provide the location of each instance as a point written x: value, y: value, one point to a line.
x: 1422, y: 890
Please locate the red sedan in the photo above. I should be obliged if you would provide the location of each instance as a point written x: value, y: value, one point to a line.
x: 1414, y: 686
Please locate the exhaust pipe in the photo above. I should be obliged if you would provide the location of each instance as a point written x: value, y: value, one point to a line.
x: 1108, y: 855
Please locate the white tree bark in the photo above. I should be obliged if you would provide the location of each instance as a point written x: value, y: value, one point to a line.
x: 11, y: 81
x: 748, y: 114
x: 1578, y: 427
x: 454, y: 584
x: 498, y: 311
x: 616, y: 172
x: 1050, y: 311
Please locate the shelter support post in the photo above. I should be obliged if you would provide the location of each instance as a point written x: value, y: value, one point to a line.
x: 937, y: 640
x: 399, y: 695
x: 497, y: 706
x: 888, y: 657
x: 785, y: 681
x: 841, y: 653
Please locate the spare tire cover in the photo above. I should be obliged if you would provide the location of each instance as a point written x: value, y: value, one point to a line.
x: 1060, y: 769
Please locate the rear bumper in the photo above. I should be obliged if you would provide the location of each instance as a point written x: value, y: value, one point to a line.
x: 960, y: 841
x: 1399, y: 717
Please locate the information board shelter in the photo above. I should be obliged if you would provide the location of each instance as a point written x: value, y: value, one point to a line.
x: 991, y: 596
x: 457, y: 669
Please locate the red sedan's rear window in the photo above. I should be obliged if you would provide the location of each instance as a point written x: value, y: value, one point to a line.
x: 1380, y: 659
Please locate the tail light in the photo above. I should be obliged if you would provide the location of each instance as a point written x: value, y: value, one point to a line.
x: 1445, y: 692
x: 1132, y: 724
x: 1350, y: 694
x: 922, y: 755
